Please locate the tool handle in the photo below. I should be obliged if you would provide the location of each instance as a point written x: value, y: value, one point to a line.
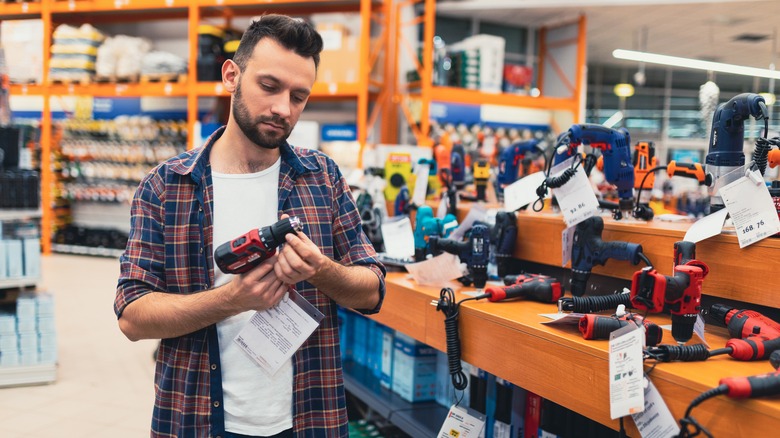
x: 752, y: 348
x: 689, y: 170
x: 599, y: 327
x: 541, y: 289
x: 620, y: 251
x: 684, y: 252
x: 762, y: 385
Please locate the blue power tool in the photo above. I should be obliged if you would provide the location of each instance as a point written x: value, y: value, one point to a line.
x: 511, y: 158
x: 474, y: 252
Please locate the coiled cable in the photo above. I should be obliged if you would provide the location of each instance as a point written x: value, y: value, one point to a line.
x: 761, y: 152
x: 451, y: 310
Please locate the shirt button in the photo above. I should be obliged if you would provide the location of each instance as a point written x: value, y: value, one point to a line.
x: 213, y: 366
x: 216, y: 404
x: 200, y: 208
x: 201, y: 250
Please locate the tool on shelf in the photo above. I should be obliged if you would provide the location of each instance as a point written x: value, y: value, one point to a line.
x: 474, y: 252
x: 510, y: 160
x: 249, y: 250
x: 426, y: 226
x: 600, y: 326
x: 533, y: 287
x: 503, y: 236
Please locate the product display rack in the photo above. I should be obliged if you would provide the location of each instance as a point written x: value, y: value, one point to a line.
x: 508, y: 340
x: 373, y: 13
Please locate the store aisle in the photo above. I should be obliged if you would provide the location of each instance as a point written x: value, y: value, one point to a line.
x: 104, y: 382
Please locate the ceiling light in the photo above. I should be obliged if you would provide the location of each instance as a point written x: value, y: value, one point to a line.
x: 675, y: 61
x: 623, y: 90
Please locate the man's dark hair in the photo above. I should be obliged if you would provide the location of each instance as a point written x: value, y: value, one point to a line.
x: 292, y: 34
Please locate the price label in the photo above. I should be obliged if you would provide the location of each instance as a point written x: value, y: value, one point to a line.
x: 575, y: 198
x: 626, y: 392
x: 420, y: 184
x: 567, y: 239
x: 751, y: 209
x: 522, y: 192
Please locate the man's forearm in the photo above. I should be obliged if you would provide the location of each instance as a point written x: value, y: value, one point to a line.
x: 159, y: 315
x: 355, y: 287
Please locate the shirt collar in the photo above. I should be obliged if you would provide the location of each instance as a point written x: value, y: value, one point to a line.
x: 195, y: 162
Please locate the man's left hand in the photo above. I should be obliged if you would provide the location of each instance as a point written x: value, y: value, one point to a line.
x: 300, y: 259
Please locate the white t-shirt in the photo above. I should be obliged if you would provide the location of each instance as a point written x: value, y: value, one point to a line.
x: 255, y: 403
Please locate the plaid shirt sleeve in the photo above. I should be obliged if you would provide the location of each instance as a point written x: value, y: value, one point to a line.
x: 351, y: 244
x: 142, y: 264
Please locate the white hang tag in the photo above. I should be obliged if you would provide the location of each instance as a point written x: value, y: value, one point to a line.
x: 477, y: 213
x: 626, y: 392
x: 567, y: 240
x: 698, y: 328
x: 274, y: 335
x: 444, y: 205
x: 576, y: 198
x: 706, y: 227
x: 421, y: 184
x: 437, y: 270
x: 562, y: 318
x: 751, y: 209
x: 462, y: 423
x: 399, y: 238
x: 522, y: 192
x: 656, y: 421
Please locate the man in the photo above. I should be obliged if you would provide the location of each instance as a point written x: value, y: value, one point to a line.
x: 169, y: 287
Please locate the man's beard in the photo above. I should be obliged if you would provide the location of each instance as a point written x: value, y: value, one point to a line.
x: 251, y: 127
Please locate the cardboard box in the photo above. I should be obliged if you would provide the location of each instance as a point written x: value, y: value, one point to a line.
x: 340, y: 65
x: 414, y: 369
x: 386, y: 377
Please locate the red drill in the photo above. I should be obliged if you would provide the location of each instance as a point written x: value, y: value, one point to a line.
x: 245, y: 252
x: 531, y: 287
x: 753, y: 335
x: 599, y: 327
x: 680, y: 294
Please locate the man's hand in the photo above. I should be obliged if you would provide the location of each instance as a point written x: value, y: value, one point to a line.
x: 257, y: 289
x: 300, y: 259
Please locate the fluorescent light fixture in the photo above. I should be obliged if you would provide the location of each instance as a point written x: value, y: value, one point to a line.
x: 614, y: 119
x: 675, y: 61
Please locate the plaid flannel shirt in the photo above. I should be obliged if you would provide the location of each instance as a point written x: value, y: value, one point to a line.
x: 170, y: 250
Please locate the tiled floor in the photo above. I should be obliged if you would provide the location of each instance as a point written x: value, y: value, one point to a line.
x: 104, y: 384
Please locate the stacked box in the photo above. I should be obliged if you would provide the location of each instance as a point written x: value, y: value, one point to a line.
x: 386, y: 368
x: 491, y: 50
x: 346, y: 334
x: 23, y: 40
x: 32, y: 257
x: 414, y: 369
x: 465, y: 72
x: 27, y: 329
x: 360, y: 339
x: 73, y: 52
x: 14, y: 258
x: 47, y: 331
x: 9, y: 344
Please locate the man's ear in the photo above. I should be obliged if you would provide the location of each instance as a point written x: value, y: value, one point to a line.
x: 231, y: 74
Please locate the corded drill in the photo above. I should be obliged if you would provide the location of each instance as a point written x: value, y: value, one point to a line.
x: 474, y: 252
x: 753, y: 335
x: 510, y: 160
x: 589, y: 250
x: 532, y: 287
x: 680, y: 293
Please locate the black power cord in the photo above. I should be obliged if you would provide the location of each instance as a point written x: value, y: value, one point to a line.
x: 691, y: 427
x: 555, y: 181
x: 640, y: 211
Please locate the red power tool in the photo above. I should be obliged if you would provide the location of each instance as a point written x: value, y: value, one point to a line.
x: 753, y: 335
x: 680, y: 293
x: 245, y: 252
x: 600, y: 326
x: 531, y: 287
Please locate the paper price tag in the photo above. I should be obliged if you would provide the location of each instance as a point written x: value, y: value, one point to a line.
x: 421, y: 184
x: 575, y: 198
x: 656, y: 421
x: 444, y: 205
x: 462, y: 423
x: 562, y: 318
x: 437, y: 270
x: 399, y: 238
x: 626, y: 392
x: 477, y: 213
x: 522, y: 192
x: 567, y: 239
x: 751, y: 209
x: 706, y: 227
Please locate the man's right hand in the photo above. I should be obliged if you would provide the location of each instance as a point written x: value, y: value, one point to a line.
x: 257, y: 289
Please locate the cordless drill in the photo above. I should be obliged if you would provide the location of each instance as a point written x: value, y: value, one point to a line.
x: 249, y: 250
x: 532, y: 287
x: 753, y: 335
x: 589, y: 250
x: 510, y: 160
x: 504, y: 238
x: 615, y: 160
x: 727, y: 137
x: 474, y: 252
x: 599, y: 327
x: 680, y: 293
x: 481, y: 175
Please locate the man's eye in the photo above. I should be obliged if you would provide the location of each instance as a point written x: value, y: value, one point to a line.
x: 298, y: 99
x: 267, y: 87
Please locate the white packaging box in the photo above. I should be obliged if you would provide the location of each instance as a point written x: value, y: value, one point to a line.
x: 47, y: 357
x: 45, y: 304
x: 414, y: 369
x: 28, y: 342
x: 14, y: 260
x: 491, y: 59
x: 7, y: 324
x: 47, y: 342
x: 9, y: 359
x: 29, y: 358
x: 9, y: 343
x: 22, y: 42
x: 32, y: 258
x: 46, y: 325
x: 388, y: 337
x: 3, y: 260
x: 26, y: 325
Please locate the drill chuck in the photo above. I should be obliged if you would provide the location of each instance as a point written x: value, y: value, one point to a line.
x: 682, y: 327
x: 719, y: 312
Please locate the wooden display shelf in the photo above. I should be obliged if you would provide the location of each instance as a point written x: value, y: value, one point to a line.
x: 507, y: 339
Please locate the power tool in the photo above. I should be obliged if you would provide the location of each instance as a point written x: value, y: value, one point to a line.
x: 398, y: 174
x: 426, y: 226
x: 474, y: 252
x: 762, y: 385
x: 371, y: 220
x: 753, y: 335
x: 680, y: 294
x: 249, y: 250
x: 533, y: 287
x: 644, y: 159
x: 481, y: 175
x: 458, y: 168
x: 510, y: 160
x: 403, y: 202
x: 689, y: 170
x: 727, y: 138
x: 615, y: 156
x: 504, y: 238
x: 589, y: 250
x: 599, y: 327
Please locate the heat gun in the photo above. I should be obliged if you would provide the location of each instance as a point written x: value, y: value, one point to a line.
x: 249, y: 250
x: 680, y: 293
x: 727, y: 138
x: 533, y: 287
x: 599, y: 327
x: 474, y: 252
x: 589, y: 250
